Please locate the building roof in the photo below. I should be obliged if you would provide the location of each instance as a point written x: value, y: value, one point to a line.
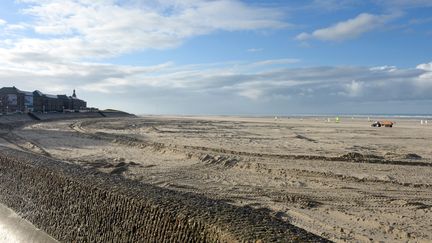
x: 14, y: 90
x: 51, y: 96
x: 37, y: 92
x: 10, y: 90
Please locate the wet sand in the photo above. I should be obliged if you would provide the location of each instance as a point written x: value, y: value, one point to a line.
x: 344, y: 181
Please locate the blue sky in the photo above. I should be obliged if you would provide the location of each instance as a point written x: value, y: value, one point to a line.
x: 223, y: 56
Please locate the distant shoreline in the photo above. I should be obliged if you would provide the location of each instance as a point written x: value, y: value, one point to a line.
x: 371, y: 116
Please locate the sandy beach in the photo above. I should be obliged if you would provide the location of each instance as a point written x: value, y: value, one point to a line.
x: 344, y: 181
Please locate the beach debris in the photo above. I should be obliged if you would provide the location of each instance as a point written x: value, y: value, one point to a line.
x: 119, y: 170
x: 359, y: 157
x: 412, y: 156
x: 353, y: 156
x: 376, y: 124
x: 120, y: 164
x: 298, y: 201
x: 119, y: 160
x: 219, y: 160
x: 305, y: 138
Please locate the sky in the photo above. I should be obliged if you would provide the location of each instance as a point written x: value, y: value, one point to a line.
x: 230, y: 57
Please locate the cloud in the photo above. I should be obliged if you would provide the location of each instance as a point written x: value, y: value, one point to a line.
x: 384, y: 68
x: 405, y: 4
x: 78, y: 29
x: 254, y: 50
x: 348, y: 29
x: 70, y: 40
x: 253, y: 94
x: 277, y: 62
x: 425, y: 79
x: 353, y: 89
x: 425, y: 66
x: 193, y: 85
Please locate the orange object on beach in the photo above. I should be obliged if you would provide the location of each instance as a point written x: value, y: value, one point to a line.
x: 386, y: 123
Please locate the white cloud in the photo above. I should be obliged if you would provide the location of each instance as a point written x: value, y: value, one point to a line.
x: 68, y: 32
x: 277, y: 62
x: 80, y: 28
x: 253, y: 94
x: 348, y: 29
x: 425, y: 66
x: 384, y: 68
x: 303, y: 36
x: 425, y: 79
x: 317, y: 85
x: 353, y: 89
x: 254, y: 50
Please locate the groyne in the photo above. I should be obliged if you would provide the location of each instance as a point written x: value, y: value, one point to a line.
x: 73, y: 204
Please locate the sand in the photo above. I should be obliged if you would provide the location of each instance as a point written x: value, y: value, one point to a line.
x: 344, y: 181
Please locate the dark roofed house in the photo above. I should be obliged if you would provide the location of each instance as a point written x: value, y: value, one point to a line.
x: 66, y: 102
x: 12, y: 100
x: 52, y: 103
x: 38, y: 101
x: 28, y: 101
x: 78, y: 104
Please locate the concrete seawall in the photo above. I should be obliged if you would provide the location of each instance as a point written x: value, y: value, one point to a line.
x: 19, y: 119
x: 15, y: 229
x: 79, y: 205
